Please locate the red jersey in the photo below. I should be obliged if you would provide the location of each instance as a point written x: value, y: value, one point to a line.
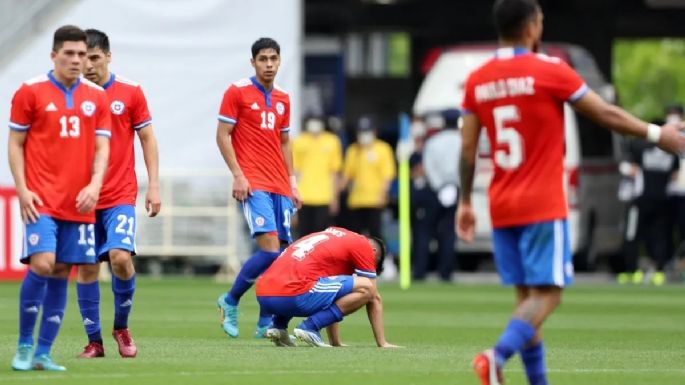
x: 518, y: 97
x: 129, y: 114
x: 60, y: 125
x: 334, y: 251
x: 259, y: 117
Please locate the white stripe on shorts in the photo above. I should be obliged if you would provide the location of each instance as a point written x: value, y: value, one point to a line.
x: 558, y: 261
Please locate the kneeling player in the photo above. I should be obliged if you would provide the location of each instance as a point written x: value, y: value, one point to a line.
x: 323, y: 276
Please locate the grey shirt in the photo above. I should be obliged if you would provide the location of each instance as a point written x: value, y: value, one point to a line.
x: 441, y: 155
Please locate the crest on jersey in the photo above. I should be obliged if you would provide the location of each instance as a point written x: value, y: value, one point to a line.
x: 117, y: 107
x: 259, y: 221
x: 88, y: 108
x: 33, y: 239
x: 280, y: 108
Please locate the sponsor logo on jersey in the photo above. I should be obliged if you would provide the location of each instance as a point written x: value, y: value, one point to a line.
x: 33, y: 239
x: 126, y: 240
x: 259, y: 221
x: 117, y: 107
x: 51, y: 107
x: 90, y: 252
x: 280, y: 108
x: 88, y: 108
x: 255, y: 106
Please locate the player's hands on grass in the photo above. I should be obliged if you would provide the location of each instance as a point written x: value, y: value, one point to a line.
x: 465, y: 222
x: 27, y: 205
x: 672, y: 139
x: 152, y: 201
x: 241, y: 188
x: 87, y: 198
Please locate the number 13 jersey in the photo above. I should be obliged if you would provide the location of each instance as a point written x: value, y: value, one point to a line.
x: 60, y: 125
x: 518, y: 96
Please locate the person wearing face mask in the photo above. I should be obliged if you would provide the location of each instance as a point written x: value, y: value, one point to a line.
x: 317, y: 160
x: 368, y: 171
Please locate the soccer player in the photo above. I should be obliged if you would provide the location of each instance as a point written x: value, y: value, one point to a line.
x: 115, y: 228
x: 518, y: 96
x: 58, y: 150
x: 314, y: 278
x: 252, y: 134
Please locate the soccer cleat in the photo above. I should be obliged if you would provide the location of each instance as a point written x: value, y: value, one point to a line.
x: 22, y: 359
x: 93, y: 350
x: 486, y: 368
x: 260, y: 331
x: 311, y: 338
x: 44, y: 362
x: 229, y: 317
x: 279, y: 337
x: 127, y: 347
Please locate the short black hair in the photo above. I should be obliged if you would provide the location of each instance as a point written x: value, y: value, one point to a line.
x: 67, y: 33
x: 510, y: 16
x: 265, y: 43
x: 97, y: 39
x: 674, y: 108
x: 381, y: 250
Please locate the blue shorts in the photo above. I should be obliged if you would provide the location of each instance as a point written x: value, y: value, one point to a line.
x: 326, y: 291
x: 115, y: 228
x: 267, y: 212
x: 538, y: 254
x: 71, y: 242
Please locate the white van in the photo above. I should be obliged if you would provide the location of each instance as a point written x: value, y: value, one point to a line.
x: 591, y: 160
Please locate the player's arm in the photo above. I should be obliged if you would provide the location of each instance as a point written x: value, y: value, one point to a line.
x: 374, y: 310
x: 87, y: 198
x: 287, y: 151
x: 148, y: 142
x: 667, y: 137
x: 27, y: 198
x: 466, y: 219
x: 333, y: 331
x: 241, y: 187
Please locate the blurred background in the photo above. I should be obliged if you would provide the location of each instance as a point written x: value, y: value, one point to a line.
x: 355, y: 65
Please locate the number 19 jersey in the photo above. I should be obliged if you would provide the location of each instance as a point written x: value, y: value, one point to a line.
x: 518, y: 96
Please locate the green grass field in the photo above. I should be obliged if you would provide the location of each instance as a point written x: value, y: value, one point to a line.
x: 602, y: 334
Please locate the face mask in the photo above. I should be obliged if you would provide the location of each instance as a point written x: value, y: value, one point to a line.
x: 673, y: 118
x: 314, y: 126
x: 366, y: 137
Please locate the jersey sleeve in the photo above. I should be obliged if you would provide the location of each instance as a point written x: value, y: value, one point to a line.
x: 468, y: 104
x: 363, y: 258
x: 568, y: 86
x: 22, y: 111
x: 285, y: 127
x: 141, y: 114
x: 103, y: 123
x: 228, y: 112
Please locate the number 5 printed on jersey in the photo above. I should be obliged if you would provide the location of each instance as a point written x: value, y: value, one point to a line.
x: 511, y: 159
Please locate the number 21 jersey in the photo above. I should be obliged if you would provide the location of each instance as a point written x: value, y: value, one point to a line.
x: 518, y: 96
x: 60, y: 125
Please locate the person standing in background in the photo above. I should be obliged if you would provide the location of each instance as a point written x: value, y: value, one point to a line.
x: 317, y: 160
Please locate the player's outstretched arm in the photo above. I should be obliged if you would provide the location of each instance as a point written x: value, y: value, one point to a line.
x: 148, y: 142
x: 668, y: 137
x: 374, y: 310
x: 27, y: 198
x: 465, y: 220
x: 241, y: 187
x: 87, y: 198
